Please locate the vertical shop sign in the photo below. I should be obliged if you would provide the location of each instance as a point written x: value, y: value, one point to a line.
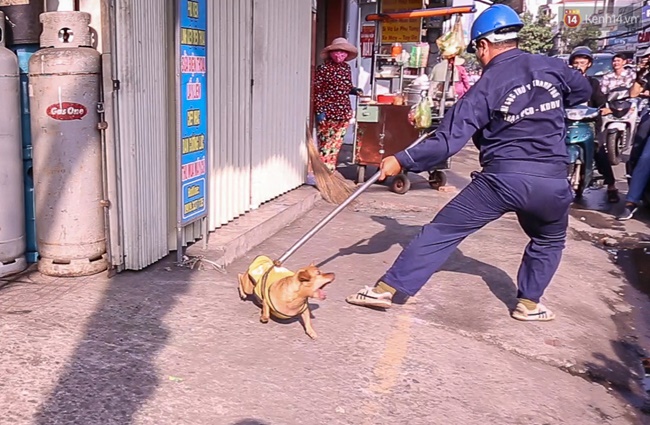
x: 367, y: 39
x: 192, y: 78
x: 404, y: 30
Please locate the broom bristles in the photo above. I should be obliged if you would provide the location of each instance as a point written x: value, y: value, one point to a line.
x: 334, y: 188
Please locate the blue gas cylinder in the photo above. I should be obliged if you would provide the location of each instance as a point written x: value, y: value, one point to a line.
x: 24, y: 52
x: 30, y: 213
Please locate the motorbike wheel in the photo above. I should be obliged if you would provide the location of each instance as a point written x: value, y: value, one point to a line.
x: 611, y: 144
x: 646, y: 196
x: 574, y: 173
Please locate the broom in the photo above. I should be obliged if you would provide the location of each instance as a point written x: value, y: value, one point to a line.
x: 333, y: 187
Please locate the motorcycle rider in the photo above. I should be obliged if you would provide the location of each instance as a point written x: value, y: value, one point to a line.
x: 581, y: 59
x: 641, y: 151
x: 619, y: 77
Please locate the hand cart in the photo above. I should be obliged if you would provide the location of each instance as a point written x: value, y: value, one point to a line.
x: 384, y: 129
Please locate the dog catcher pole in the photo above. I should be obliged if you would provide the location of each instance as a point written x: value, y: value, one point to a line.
x: 338, y: 209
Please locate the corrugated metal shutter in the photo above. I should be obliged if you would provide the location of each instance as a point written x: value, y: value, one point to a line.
x: 281, y: 74
x: 256, y: 131
x: 144, y: 42
x: 229, y: 87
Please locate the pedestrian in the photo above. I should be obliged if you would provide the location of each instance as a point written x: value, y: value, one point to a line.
x: 515, y: 115
x: 332, y: 88
x: 581, y: 58
x: 640, y: 155
x: 462, y: 85
x: 460, y: 78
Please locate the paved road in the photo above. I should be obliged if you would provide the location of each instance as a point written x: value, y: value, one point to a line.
x: 174, y: 346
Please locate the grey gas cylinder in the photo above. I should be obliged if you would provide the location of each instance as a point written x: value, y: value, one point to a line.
x: 23, y: 26
x: 64, y: 81
x: 12, y: 207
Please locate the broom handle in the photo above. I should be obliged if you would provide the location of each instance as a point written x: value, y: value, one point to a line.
x: 338, y: 209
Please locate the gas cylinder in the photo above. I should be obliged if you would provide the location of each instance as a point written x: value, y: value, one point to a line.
x: 12, y: 209
x: 64, y: 86
x: 22, y: 16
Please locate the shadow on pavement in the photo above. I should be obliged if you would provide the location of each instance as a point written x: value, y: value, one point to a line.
x: 617, y: 374
x: 498, y: 281
x: 250, y: 422
x: 112, y: 372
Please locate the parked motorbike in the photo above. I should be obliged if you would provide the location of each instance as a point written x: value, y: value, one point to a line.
x: 581, y: 146
x: 620, y: 125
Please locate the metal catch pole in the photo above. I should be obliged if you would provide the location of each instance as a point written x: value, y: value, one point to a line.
x: 338, y: 209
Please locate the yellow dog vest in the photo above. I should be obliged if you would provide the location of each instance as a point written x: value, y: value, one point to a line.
x: 264, y: 274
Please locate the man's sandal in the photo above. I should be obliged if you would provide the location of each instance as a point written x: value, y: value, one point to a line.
x: 538, y: 314
x: 367, y: 297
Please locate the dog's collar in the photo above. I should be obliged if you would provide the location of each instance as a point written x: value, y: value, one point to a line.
x: 266, y: 292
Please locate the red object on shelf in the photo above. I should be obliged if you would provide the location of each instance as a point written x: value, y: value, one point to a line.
x: 385, y: 99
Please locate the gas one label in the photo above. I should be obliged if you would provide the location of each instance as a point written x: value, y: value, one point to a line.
x: 193, y: 110
x: 66, y: 111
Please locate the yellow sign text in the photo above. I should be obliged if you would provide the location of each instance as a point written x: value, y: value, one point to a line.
x: 193, y: 144
x: 192, y: 37
x: 193, y: 9
x: 193, y: 117
x: 190, y: 207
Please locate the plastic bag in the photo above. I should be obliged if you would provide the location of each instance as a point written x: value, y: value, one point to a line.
x: 453, y: 43
x: 419, y: 55
x: 420, y: 114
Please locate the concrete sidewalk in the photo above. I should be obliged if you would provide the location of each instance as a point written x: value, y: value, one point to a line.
x: 171, y: 345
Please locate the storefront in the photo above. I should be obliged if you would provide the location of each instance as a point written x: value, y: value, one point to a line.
x: 206, y: 103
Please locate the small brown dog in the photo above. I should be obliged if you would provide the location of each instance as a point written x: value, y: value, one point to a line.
x: 283, y: 293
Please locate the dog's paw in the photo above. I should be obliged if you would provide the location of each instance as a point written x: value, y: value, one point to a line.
x: 312, y: 334
x: 264, y: 319
x: 242, y: 295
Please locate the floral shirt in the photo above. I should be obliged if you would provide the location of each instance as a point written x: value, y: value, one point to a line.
x: 332, y: 88
x: 611, y: 81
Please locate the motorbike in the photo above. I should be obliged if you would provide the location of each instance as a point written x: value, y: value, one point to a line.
x: 581, y: 146
x: 618, y: 128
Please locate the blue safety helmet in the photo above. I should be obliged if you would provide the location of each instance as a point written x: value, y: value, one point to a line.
x: 583, y: 51
x: 497, y: 23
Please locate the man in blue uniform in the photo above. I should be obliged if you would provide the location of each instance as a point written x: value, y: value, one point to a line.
x: 515, y: 115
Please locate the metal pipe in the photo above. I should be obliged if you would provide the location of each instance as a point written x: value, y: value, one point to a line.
x: 105, y: 196
x: 338, y: 209
x: 115, y: 109
x: 420, y: 13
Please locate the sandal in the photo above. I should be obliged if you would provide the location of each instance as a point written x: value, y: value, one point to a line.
x: 612, y: 196
x: 367, y: 297
x: 538, y: 314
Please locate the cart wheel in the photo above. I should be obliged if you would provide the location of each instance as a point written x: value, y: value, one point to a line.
x: 361, y: 174
x: 437, y: 179
x: 401, y: 184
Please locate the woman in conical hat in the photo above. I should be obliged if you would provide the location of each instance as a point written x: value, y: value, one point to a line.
x: 332, y: 88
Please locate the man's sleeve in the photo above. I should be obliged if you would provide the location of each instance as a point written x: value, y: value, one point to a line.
x: 470, y: 114
x: 579, y: 88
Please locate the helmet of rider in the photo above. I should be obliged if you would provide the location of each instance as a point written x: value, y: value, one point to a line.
x: 497, y: 23
x: 581, y: 51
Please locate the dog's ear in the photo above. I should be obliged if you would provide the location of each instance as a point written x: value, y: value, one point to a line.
x: 304, y: 276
